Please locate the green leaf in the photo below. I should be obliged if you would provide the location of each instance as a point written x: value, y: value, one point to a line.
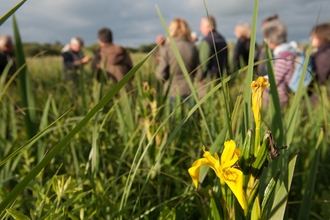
x: 44, y: 118
x: 215, y: 205
x: 300, y: 91
x: 246, y: 158
x: 91, y: 215
x: 27, y: 97
x: 269, y: 191
x: 74, y: 198
x: 249, y: 76
x: 256, y: 213
x: 280, y: 200
x: 32, y: 140
x: 275, y: 109
x: 43, y: 124
x: 253, y: 192
x: 261, y: 155
x: 10, y: 12
x: 224, y: 91
x: 17, y: 214
x: 309, y: 188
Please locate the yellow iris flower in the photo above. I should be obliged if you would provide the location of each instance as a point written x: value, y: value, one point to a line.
x: 258, y: 88
x: 223, y: 168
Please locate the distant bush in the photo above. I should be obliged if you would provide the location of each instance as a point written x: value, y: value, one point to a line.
x: 32, y: 49
x: 132, y: 49
x: 141, y: 49
x: 93, y: 47
x: 146, y: 48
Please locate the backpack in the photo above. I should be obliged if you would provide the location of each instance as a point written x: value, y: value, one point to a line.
x: 298, y: 71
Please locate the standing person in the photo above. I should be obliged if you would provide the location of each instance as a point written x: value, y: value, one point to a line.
x: 6, y: 54
x: 275, y: 34
x: 168, y: 65
x: 111, y: 58
x: 242, y: 47
x: 320, y: 36
x: 73, y: 58
x: 262, y: 68
x: 207, y: 51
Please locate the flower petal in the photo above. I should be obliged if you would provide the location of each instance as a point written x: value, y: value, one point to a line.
x: 237, y: 152
x: 208, y: 160
x: 194, y: 171
x: 228, y: 151
x: 258, y: 88
x: 230, y: 163
x: 234, y: 179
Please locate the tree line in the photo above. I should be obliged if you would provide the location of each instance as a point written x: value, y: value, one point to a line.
x: 48, y: 49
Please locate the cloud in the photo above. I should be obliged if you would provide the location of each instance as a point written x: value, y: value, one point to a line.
x: 136, y: 22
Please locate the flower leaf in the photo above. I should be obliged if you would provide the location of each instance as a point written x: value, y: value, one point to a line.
x: 261, y: 155
x: 269, y: 191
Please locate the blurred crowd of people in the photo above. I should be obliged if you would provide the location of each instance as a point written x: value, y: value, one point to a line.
x: 213, y: 57
x: 204, y: 60
x: 110, y: 61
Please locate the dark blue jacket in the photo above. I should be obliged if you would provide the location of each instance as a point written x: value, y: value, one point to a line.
x: 221, y: 47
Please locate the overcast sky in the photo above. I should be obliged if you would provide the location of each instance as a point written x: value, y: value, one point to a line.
x: 136, y: 22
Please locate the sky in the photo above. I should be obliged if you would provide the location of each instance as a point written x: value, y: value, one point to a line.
x: 136, y: 22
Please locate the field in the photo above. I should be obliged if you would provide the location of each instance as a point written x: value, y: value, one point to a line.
x: 131, y: 159
x: 89, y: 150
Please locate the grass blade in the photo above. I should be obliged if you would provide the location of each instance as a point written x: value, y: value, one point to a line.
x: 17, y: 214
x: 309, y: 188
x: 224, y: 90
x: 249, y: 76
x: 269, y: 191
x: 25, y: 86
x: 280, y: 200
x: 10, y: 12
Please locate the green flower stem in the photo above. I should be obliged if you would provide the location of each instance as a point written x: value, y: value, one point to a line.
x: 257, y: 140
x: 224, y: 198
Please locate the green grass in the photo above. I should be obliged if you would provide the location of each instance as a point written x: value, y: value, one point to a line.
x: 100, y: 181
x: 105, y: 156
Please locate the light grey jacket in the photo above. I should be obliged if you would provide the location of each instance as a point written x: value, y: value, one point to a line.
x: 169, y: 65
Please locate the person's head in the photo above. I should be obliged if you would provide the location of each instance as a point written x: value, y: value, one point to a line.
x: 160, y: 40
x: 207, y: 25
x: 104, y: 36
x: 76, y: 43
x: 243, y: 31
x: 6, y: 44
x: 320, y: 35
x: 179, y: 28
x: 194, y: 37
x: 274, y: 33
x: 268, y: 19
